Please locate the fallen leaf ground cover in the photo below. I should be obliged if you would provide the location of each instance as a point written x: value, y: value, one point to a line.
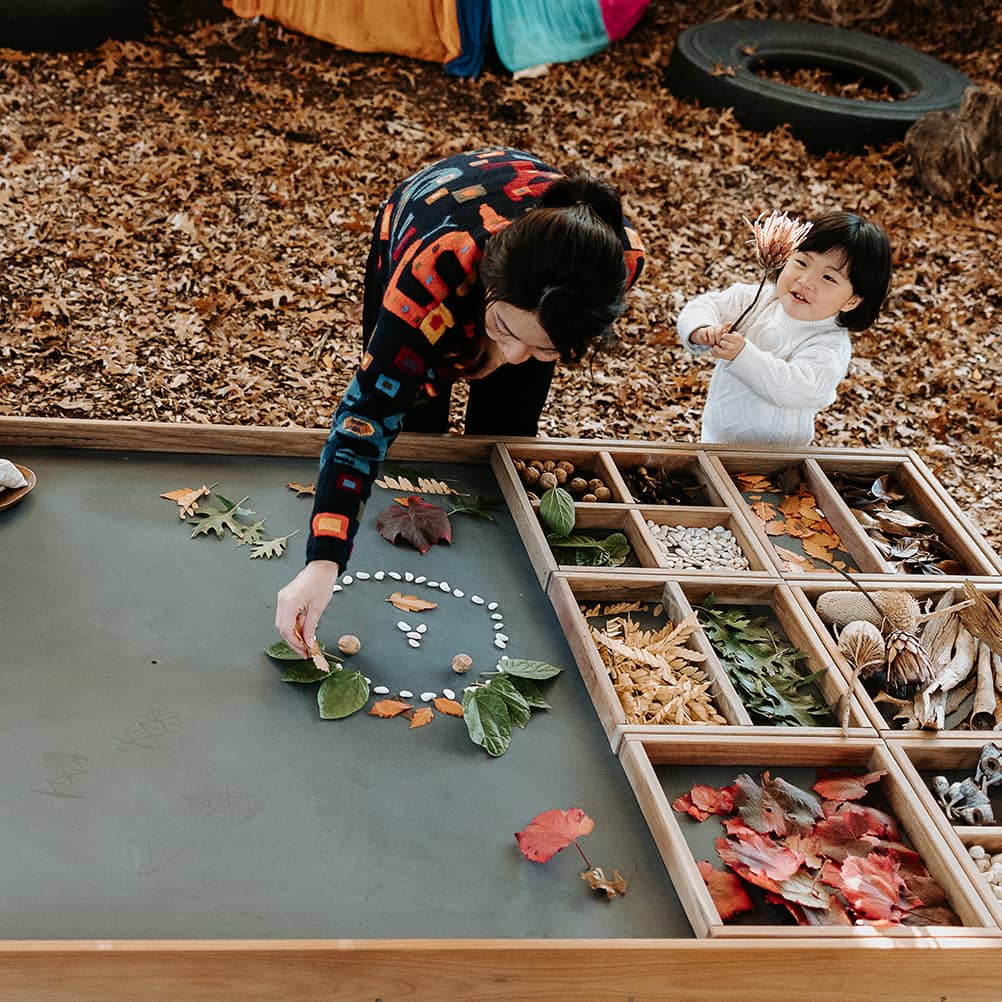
x: 184, y: 221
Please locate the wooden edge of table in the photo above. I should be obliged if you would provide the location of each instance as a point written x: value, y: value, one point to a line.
x: 749, y: 970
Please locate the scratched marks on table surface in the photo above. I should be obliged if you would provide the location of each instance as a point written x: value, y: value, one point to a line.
x: 65, y: 775
x: 157, y: 731
x: 225, y: 805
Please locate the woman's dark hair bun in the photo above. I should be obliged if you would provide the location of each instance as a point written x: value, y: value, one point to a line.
x: 581, y: 188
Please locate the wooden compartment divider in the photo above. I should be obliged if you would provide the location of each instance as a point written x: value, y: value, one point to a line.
x: 640, y: 754
x: 918, y: 753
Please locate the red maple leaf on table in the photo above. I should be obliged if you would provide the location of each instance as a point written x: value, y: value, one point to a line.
x: 726, y: 890
x: 417, y: 522
x: 845, y: 786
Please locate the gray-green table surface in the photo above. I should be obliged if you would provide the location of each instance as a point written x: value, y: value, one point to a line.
x: 159, y: 781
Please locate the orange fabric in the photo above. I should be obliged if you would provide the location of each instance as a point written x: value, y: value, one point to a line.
x: 422, y: 29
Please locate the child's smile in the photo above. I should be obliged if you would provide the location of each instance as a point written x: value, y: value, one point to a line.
x: 814, y: 285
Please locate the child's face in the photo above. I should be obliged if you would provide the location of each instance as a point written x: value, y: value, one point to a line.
x: 814, y: 285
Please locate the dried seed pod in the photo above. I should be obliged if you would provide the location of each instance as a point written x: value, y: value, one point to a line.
x: 578, y: 486
x: 862, y: 646
x: 530, y: 476
x: 547, y: 481
x: 901, y: 609
x: 349, y: 644
x: 602, y: 494
x: 908, y: 664
x: 840, y: 608
x: 462, y: 663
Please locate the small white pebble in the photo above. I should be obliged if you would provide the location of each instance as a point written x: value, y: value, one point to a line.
x: 420, y: 579
x: 428, y: 696
x: 414, y: 643
x: 492, y: 606
x: 497, y: 615
x: 363, y: 576
x: 414, y: 635
x: 976, y: 851
x: 504, y: 657
x: 379, y: 575
x: 408, y: 576
x: 395, y: 575
x: 458, y: 592
x: 368, y: 681
x: 501, y: 636
x: 499, y: 626
x: 336, y: 589
x: 432, y: 584
x: 380, y: 690
x: 500, y: 644
x: 444, y: 586
x: 448, y: 693
x: 422, y: 628
x: 406, y: 693
x: 476, y: 600
x: 404, y: 627
x: 347, y: 579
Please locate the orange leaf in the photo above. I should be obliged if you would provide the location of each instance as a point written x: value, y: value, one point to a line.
x: 815, y: 547
x: 410, y: 603
x: 753, y: 481
x: 764, y: 511
x: 449, y: 706
x: 388, y: 708
x: 775, y: 528
x: 547, y: 833
x: 302, y: 489
x: 187, y: 499
x: 422, y: 717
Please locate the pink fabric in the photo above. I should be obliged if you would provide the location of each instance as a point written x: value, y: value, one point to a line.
x: 619, y: 16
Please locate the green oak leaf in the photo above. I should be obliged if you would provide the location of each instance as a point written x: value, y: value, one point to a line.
x: 341, y: 694
x: 487, y: 720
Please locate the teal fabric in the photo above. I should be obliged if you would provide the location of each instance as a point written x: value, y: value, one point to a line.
x: 531, y: 32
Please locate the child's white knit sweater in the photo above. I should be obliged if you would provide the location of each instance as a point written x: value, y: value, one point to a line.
x: 787, y: 371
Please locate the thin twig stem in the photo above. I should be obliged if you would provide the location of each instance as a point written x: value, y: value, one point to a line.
x: 583, y: 856
x: 751, y: 305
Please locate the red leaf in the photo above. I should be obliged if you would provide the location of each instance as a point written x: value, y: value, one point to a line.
x: 419, y: 523
x: 702, y: 801
x: 684, y: 805
x: 760, y: 854
x: 878, y: 823
x: 728, y: 893
x: 872, y: 886
x: 547, y: 833
x: 845, y: 786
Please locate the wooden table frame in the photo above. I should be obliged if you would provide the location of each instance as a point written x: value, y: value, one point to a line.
x: 956, y: 965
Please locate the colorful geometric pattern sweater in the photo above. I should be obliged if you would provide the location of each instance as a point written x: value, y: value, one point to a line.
x: 428, y: 242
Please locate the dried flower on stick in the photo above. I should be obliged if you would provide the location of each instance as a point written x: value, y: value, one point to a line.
x: 775, y: 237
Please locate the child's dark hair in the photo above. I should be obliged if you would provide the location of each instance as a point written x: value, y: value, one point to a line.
x: 867, y: 250
x: 564, y: 261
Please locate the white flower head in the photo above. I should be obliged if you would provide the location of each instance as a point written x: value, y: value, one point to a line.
x: 776, y: 237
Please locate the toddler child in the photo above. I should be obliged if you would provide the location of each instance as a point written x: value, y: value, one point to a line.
x: 785, y: 364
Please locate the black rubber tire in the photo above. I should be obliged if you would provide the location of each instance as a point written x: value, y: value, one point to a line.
x: 61, y: 25
x: 822, y: 122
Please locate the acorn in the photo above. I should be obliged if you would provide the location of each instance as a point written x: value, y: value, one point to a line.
x: 349, y: 644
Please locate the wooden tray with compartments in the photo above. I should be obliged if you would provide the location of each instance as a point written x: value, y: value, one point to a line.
x: 742, y: 961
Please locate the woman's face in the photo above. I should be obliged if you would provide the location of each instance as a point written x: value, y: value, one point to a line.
x: 514, y: 336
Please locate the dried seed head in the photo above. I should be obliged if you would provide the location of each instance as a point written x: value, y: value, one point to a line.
x: 863, y: 647
x: 840, y: 608
x: 776, y: 237
x: 908, y: 665
x: 462, y: 663
x: 349, y: 644
x: 901, y: 609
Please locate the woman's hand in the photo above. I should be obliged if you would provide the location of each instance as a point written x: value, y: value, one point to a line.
x: 301, y: 603
x: 728, y: 346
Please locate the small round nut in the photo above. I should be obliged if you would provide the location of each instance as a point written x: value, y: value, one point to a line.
x: 595, y: 482
x: 519, y: 465
x: 561, y: 474
x: 566, y: 465
x: 530, y: 475
x: 349, y: 644
x: 578, y: 485
x: 536, y: 464
x: 549, y: 466
x: 462, y: 663
x: 547, y: 481
x: 588, y: 497
x: 602, y: 494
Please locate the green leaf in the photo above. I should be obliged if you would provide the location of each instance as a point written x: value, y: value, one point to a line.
x: 341, y: 694
x: 531, y: 692
x: 519, y: 710
x: 556, y: 509
x: 487, y: 720
x: 615, y: 549
x: 281, y: 651
x: 235, y: 506
x: 271, y: 547
x: 528, y: 669
x: 478, y: 507
x: 303, y: 671
x: 591, y: 552
x: 250, y: 533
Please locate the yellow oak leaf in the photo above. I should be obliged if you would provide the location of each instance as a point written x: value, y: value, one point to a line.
x: 422, y: 717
